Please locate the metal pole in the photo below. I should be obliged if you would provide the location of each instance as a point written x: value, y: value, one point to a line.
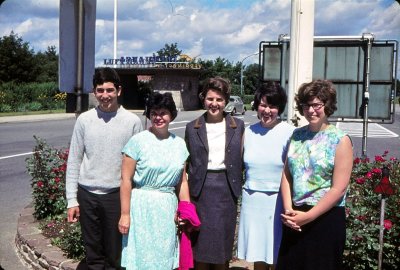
x: 381, y: 223
x: 79, y: 68
x: 370, y: 38
x: 115, y: 29
x: 241, y: 72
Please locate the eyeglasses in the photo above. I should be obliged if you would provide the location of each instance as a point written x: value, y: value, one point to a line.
x: 102, y: 90
x: 315, y: 106
x: 161, y: 114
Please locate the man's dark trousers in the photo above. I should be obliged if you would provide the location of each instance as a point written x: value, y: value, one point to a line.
x: 99, y: 216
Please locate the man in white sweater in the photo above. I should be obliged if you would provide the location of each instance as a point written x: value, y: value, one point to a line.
x: 94, y: 171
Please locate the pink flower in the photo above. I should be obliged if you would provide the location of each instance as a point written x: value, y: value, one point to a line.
x: 57, y: 179
x: 387, y: 224
x: 368, y: 175
x: 360, y: 180
x: 379, y: 159
x: 40, y: 184
x: 393, y: 158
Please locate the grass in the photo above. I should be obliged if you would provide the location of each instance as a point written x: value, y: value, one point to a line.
x: 31, y: 112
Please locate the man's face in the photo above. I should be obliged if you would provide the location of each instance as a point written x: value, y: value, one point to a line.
x: 106, y: 94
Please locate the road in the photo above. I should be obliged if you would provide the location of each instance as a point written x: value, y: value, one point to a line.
x: 17, y: 142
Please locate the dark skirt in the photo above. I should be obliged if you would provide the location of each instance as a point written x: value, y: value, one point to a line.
x: 217, y: 209
x: 319, y: 246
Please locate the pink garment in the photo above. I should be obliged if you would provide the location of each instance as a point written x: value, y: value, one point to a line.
x: 187, y: 211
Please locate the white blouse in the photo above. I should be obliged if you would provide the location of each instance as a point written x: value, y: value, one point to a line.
x: 216, y: 145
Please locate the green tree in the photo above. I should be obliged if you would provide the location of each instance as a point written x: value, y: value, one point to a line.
x: 47, y: 65
x: 169, y: 50
x: 251, y: 78
x: 16, y: 60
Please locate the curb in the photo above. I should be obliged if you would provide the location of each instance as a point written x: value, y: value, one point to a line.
x: 36, y: 250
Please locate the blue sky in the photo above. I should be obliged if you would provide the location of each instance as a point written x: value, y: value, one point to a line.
x: 231, y: 29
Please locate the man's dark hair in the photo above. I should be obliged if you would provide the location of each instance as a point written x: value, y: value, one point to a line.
x: 102, y: 75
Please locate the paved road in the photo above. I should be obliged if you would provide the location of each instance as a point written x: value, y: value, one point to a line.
x: 16, y: 143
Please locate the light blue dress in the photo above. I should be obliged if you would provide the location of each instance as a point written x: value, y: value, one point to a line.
x: 152, y: 241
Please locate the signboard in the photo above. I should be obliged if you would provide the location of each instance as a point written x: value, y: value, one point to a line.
x: 344, y: 62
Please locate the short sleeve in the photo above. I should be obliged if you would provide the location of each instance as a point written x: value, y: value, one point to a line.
x: 132, y: 148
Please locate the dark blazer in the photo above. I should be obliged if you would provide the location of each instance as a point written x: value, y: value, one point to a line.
x: 197, y: 144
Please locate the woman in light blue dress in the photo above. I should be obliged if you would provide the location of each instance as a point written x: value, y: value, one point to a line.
x: 155, y: 160
x: 265, y: 148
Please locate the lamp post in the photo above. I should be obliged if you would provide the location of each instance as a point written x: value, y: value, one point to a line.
x: 241, y: 72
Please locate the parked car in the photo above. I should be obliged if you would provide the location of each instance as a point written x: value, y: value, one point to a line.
x: 235, y: 105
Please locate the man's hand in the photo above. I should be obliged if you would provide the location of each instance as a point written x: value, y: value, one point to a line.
x: 73, y: 214
x: 124, y: 223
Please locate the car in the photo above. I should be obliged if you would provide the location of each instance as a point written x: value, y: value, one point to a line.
x: 235, y: 105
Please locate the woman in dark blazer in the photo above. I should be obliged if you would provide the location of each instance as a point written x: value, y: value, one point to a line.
x: 214, y: 141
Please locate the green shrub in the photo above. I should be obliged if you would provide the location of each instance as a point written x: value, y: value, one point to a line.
x: 47, y: 168
x: 33, y: 106
x: 5, y: 108
x: 363, y: 206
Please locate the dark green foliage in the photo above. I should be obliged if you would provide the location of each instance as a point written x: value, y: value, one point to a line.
x: 169, y: 50
x: 16, y: 60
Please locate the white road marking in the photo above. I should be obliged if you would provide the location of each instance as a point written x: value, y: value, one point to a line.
x: 374, y: 130
x: 17, y: 155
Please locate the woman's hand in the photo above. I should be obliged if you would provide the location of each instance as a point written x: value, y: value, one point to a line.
x: 295, y: 219
x: 124, y: 223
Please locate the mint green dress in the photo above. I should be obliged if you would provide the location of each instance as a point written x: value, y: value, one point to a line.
x: 152, y: 241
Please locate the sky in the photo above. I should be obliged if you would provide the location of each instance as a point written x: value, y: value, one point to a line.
x: 206, y: 29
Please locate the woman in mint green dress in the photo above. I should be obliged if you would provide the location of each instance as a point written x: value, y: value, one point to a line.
x: 155, y: 160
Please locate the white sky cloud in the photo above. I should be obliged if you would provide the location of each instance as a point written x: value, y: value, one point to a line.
x: 229, y: 29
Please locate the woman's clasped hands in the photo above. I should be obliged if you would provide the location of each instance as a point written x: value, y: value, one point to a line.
x: 295, y: 219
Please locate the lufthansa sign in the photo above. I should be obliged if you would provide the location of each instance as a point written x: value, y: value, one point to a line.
x: 152, y: 61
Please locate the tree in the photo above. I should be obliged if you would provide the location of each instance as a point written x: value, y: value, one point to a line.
x: 16, y: 60
x: 170, y: 50
x: 47, y: 65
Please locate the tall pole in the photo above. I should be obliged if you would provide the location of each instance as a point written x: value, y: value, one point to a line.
x: 79, y: 62
x: 115, y: 29
x: 241, y: 72
x: 300, y: 51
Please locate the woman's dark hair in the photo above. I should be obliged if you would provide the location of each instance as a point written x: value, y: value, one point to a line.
x: 274, y: 93
x: 218, y: 84
x: 158, y: 101
x: 324, y: 90
x: 102, y: 75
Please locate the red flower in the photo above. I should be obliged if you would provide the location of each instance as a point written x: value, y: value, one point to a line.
x: 365, y: 160
x: 40, y: 184
x: 360, y: 180
x: 379, y: 159
x: 361, y: 218
x: 376, y: 171
x: 57, y: 179
x: 357, y: 160
x: 393, y: 158
x: 368, y: 175
x: 387, y: 224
